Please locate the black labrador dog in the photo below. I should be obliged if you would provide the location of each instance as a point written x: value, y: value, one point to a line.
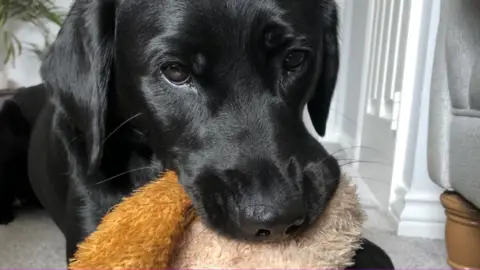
x: 18, y: 113
x: 211, y: 89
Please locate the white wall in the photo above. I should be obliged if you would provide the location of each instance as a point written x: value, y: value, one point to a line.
x: 349, y: 89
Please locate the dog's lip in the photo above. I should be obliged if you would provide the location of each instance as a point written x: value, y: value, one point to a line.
x: 285, y: 237
x: 279, y: 239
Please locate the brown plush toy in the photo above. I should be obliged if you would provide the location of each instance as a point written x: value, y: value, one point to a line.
x: 157, y: 228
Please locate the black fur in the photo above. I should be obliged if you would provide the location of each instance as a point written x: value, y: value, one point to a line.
x: 233, y: 131
x: 17, y: 115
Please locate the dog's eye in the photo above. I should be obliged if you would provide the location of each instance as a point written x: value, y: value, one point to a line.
x: 176, y: 73
x: 294, y: 60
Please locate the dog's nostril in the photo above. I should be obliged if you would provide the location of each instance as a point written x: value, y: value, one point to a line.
x: 262, y: 233
x: 272, y: 223
x: 294, y: 227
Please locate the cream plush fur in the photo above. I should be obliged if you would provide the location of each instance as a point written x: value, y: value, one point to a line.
x: 331, y: 243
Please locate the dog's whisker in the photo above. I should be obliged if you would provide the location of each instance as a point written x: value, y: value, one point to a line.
x: 366, y: 178
x: 123, y: 173
x: 346, y: 159
x: 356, y: 147
x: 346, y: 148
x: 354, y: 123
x: 358, y: 177
x: 121, y: 125
x: 200, y: 232
x: 364, y: 161
x: 360, y: 161
x: 338, y: 151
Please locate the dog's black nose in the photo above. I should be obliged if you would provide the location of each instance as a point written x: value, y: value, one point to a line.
x: 271, y: 223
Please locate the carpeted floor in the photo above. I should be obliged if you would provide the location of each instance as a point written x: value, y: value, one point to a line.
x: 33, y: 241
x: 406, y: 253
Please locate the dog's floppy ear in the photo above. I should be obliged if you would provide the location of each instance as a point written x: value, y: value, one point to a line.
x: 319, y: 104
x: 78, y: 70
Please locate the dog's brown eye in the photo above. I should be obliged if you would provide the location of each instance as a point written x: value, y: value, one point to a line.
x: 294, y: 60
x: 176, y: 73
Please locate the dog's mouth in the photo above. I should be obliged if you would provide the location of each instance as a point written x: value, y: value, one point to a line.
x: 263, y: 236
x: 292, y: 232
x: 223, y: 220
x: 239, y: 212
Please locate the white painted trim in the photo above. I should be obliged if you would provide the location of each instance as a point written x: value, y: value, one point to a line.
x: 414, y: 198
x: 423, y: 216
x: 406, y: 123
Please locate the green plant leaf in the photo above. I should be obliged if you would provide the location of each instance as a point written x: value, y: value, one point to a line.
x: 7, y: 45
x: 17, y: 43
x: 9, y: 48
x: 36, y: 12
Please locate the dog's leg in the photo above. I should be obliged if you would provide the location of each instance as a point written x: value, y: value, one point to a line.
x: 371, y: 256
x: 7, y: 195
x: 75, y: 227
x: 14, y: 141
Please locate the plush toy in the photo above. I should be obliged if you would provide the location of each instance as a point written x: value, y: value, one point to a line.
x: 157, y: 228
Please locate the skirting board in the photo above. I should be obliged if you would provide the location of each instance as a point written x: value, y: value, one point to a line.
x: 422, y: 229
x: 422, y: 216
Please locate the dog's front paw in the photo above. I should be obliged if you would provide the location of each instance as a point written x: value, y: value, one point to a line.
x: 6, y: 216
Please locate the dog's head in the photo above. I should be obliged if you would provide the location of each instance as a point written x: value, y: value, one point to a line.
x: 219, y: 87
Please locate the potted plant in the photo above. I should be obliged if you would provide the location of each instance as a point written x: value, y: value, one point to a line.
x: 14, y: 13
